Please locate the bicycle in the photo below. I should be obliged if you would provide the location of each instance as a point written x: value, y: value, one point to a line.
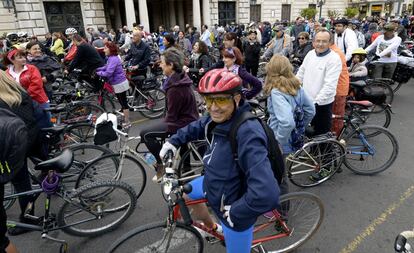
x: 146, y: 97
x: 357, y: 146
x: 180, y: 233
x: 92, y: 210
x: 401, y: 244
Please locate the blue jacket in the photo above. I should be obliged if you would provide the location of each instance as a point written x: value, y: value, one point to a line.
x: 250, y: 188
x: 281, y: 107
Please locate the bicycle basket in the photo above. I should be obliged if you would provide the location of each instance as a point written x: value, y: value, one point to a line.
x: 402, y: 73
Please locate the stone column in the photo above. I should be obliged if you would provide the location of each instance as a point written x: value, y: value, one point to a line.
x: 171, y: 11
x: 130, y: 13
x: 206, y: 12
x: 180, y: 12
x: 196, y: 14
x: 117, y: 11
x: 143, y: 14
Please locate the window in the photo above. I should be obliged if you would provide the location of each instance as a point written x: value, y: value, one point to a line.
x: 8, y: 4
x: 312, y: 6
x: 227, y: 13
x: 255, y: 12
x: 286, y: 12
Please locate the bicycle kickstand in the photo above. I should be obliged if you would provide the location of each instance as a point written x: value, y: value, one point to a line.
x: 63, y: 243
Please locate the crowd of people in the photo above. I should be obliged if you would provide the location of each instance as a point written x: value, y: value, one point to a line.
x: 310, y: 65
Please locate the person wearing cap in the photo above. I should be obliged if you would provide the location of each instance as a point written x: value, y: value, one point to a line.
x: 296, y: 29
x: 254, y: 27
x: 251, y: 49
x: 237, y: 191
x: 358, y: 70
x: 303, y: 48
x: 355, y: 25
x: 386, y: 47
x: 345, y: 38
x: 280, y: 44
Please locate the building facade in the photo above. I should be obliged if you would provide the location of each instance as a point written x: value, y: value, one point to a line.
x: 41, y: 16
x: 383, y: 7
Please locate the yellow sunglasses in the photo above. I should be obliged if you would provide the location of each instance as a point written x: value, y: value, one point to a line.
x: 219, y: 101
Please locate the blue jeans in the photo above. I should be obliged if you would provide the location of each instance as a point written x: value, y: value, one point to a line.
x: 236, y: 242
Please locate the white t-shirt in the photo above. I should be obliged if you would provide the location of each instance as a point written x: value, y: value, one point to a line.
x: 384, y: 47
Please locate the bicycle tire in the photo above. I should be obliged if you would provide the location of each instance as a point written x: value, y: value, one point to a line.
x: 107, y: 167
x: 315, y: 158
x: 79, y: 133
x: 153, y: 231
x: 84, y: 153
x: 359, y: 136
x: 292, y: 213
x: 106, y: 103
x: 94, y: 205
x: 396, y: 86
x: 158, y: 97
x: 382, y: 118
x: 84, y: 109
x: 8, y: 190
x: 198, y: 165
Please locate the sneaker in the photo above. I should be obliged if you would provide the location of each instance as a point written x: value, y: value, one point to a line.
x: 317, y: 176
x: 126, y: 125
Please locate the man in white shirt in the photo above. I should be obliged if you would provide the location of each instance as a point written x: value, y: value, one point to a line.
x: 386, y: 46
x: 319, y: 74
x: 345, y: 38
x: 205, y: 36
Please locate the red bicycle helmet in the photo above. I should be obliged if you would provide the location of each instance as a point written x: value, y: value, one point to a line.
x: 219, y: 81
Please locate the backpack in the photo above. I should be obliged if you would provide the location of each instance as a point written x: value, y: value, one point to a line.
x: 297, y: 135
x: 274, y: 152
x: 13, y: 143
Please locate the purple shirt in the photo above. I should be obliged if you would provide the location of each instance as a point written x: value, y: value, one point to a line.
x: 112, y: 70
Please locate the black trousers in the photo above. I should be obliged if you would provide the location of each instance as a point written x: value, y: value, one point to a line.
x: 154, y: 138
x: 322, y: 122
x: 252, y: 69
x: 4, y: 241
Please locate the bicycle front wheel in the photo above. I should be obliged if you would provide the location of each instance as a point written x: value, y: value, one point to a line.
x: 302, y: 212
x: 115, y: 167
x: 370, y: 150
x: 160, y: 237
x: 79, y: 133
x: 97, y: 208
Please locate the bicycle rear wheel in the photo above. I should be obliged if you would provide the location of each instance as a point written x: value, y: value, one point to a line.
x: 155, y: 103
x: 97, y: 208
x: 81, y: 112
x: 367, y: 155
x: 303, y: 213
x: 115, y: 167
x: 323, y: 158
x: 159, y: 237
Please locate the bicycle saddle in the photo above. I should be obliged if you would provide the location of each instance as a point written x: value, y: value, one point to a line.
x: 60, y: 163
x: 55, y: 130
x: 364, y: 103
x: 138, y: 78
x: 358, y: 83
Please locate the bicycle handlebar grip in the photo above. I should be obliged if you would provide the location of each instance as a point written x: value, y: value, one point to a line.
x: 184, y: 212
x: 400, y: 242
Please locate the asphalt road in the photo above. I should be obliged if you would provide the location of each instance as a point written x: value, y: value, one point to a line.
x: 363, y: 213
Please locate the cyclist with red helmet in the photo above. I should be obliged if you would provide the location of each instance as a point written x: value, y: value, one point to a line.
x: 237, y: 191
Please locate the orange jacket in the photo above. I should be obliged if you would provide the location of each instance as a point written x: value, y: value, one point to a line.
x: 71, y: 54
x: 343, y: 81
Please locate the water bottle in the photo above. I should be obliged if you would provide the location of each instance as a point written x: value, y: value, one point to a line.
x: 150, y: 159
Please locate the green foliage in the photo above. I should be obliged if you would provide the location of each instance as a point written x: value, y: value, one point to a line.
x: 308, y: 13
x: 333, y: 14
x: 351, y: 12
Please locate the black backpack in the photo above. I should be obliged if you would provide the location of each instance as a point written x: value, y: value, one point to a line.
x: 274, y: 152
x: 13, y: 143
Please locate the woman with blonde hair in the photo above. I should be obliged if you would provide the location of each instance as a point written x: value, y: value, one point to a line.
x: 14, y: 98
x: 285, y: 94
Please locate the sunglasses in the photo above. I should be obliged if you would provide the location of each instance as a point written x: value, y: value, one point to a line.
x: 302, y: 38
x: 219, y: 101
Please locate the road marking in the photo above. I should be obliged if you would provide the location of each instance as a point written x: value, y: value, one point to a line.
x: 138, y: 121
x: 370, y: 229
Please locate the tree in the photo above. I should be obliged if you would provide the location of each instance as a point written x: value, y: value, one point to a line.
x: 308, y: 13
x: 333, y: 14
x: 351, y: 12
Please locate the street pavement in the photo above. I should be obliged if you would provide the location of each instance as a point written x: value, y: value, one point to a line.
x: 362, y: 213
